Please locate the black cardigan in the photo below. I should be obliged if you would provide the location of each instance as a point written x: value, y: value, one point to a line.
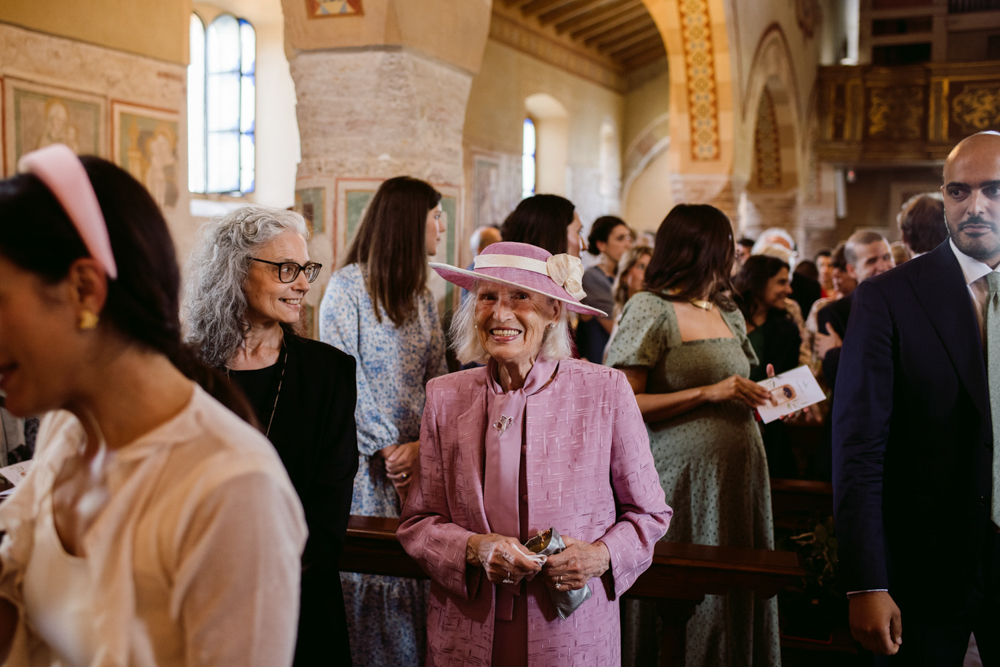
x: 315, y: 435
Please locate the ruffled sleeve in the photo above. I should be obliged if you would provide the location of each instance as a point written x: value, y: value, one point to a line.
x: 646, y: 333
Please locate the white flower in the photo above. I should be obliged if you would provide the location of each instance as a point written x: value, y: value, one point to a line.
x: 567, y: 272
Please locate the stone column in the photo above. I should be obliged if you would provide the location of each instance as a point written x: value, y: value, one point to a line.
x: 379, y: 95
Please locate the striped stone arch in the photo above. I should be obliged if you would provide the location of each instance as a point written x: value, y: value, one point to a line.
x: 701, y: 99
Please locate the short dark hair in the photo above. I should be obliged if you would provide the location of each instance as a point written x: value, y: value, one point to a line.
x: 601, y: 230
x: 807, y: 268
x: 750, y: 283
x: 860, y: 237
x: 391, y: 242
x: 823, y: 253
x: 839, y: 257
x: 921, y: 220
x: 693, y: 255
x: 746, y: 242
x: 143, y: 303
x: 540, y: 220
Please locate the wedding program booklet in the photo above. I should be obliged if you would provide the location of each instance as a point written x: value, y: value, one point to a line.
x: 790, y: 392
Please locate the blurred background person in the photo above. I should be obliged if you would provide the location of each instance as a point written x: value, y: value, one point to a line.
x: 824, y: 264
x: 156, y: 527
x: 547, y: 221
x: 760, y: 289
x: 248, y: 280
x: 921, y: 221
x: 630, y: 281
x: 610, y: 511
x: 609, y: 239
x: 378, y: 309
x: 683, y: 346
x: 744, y: 248
x: 481, y: 239
x: 900, y: 253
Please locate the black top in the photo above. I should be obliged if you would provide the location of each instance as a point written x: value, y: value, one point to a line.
x: 315, y: 435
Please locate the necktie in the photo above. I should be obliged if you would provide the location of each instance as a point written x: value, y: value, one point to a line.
x: 992, y: 326
x: 504, y: 435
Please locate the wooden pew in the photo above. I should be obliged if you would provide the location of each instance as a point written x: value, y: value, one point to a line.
x: 795, y: 501
x: 681, y: 574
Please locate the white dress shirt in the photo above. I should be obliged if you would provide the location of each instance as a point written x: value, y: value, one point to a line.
x: 975, y: 277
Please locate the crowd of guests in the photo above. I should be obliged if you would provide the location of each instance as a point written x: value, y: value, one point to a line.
x: 192, y: 484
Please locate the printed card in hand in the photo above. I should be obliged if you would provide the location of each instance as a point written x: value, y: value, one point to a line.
x: 790, y: 392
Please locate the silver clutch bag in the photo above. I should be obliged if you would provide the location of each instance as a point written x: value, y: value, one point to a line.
x: 549, y: 543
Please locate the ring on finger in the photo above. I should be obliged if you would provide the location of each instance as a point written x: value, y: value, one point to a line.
x: 508, y: 580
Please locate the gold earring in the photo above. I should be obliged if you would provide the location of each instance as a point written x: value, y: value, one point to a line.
x: 88, y: 320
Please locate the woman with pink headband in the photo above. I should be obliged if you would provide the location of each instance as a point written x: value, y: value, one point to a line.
x: 156, y: 527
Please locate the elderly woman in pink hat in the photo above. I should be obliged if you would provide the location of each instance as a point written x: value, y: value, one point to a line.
x: 531, y: 441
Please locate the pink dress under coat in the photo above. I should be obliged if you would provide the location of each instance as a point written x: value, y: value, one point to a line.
x: 590, y: 474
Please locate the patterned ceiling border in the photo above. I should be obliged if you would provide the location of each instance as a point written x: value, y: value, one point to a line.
x: 515, y: 35
x: 696, y: 36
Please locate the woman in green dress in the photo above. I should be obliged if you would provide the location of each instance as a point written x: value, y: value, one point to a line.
x: 682, y: 344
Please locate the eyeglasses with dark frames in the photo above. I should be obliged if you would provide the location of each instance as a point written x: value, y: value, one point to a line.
x: 289, y: 271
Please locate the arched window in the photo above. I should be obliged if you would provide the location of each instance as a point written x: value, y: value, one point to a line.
x: 528, y: 160
x: 222, y: 106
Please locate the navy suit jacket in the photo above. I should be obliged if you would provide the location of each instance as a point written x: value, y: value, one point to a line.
x: 912, y: 437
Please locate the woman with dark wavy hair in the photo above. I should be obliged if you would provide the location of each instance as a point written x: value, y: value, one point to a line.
x: 760, y: 290
x: 683, y: 346
x: 377, y: 308
x: 547, y: 221
x: 156, y: 527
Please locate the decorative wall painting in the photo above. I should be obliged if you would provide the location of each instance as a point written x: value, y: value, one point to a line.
x: 37, y: 115
x: 321, y: 9
x: 145, y: 145
x: 310, y: 203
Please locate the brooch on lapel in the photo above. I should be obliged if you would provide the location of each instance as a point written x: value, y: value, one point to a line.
x: 502, y: 423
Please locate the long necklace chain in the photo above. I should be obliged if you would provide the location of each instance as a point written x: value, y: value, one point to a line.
x: 281, y: 379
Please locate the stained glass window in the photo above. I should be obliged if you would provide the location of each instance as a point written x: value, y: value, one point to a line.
x: 222, y: 106
x: 528, y: 160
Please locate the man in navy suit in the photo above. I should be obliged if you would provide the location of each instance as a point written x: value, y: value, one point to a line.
x: 913, y: 437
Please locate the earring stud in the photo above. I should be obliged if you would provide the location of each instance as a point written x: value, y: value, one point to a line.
x: 88, y: 320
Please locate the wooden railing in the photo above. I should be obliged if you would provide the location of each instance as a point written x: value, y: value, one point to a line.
x: 963, y: 6
x: 681, y: 574
x: 796, y: 501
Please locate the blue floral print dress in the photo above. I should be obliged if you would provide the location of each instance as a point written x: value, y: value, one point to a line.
x: 386, y: 616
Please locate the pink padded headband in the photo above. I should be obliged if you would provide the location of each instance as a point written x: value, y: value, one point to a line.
x: 58, y: 167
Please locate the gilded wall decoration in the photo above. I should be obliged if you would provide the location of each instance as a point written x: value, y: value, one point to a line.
x: 977, y: 108
x: 310, y: 203
x: 767, y: 145
x: 696, y: 35
x: 896, y: 112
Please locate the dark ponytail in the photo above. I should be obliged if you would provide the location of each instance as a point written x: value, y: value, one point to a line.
x: 143, y: 304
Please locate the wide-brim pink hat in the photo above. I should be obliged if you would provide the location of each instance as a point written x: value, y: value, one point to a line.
x: 527, y: 267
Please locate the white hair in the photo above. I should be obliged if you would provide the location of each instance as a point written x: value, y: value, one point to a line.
x: 556, y: 342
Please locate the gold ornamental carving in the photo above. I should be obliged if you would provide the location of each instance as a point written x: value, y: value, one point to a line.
x: 896, y: 112
x: 977, y: 108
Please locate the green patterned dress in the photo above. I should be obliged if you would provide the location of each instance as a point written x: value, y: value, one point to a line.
x: 714, y: 472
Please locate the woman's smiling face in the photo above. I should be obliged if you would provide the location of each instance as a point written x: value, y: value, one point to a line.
x: 269, y: 299
x: 511, y: 321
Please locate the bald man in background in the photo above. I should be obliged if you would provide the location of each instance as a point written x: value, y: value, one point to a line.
x: 913, y: 436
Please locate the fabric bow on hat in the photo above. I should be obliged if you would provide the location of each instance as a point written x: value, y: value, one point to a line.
x: 567, y: 272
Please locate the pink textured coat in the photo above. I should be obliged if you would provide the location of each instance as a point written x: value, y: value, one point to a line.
x: 590, y: 474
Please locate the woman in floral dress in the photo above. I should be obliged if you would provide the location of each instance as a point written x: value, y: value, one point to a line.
x: 378, y: 309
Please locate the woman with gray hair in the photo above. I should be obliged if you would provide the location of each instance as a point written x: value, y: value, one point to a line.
x: 533, y: 447
x: 248, y: 280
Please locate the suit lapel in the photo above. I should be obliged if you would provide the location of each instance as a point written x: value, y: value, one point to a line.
x: 941, y: 290
x: 471, y: 426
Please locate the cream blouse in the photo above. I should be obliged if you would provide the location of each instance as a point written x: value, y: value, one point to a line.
x: 195, y: 556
